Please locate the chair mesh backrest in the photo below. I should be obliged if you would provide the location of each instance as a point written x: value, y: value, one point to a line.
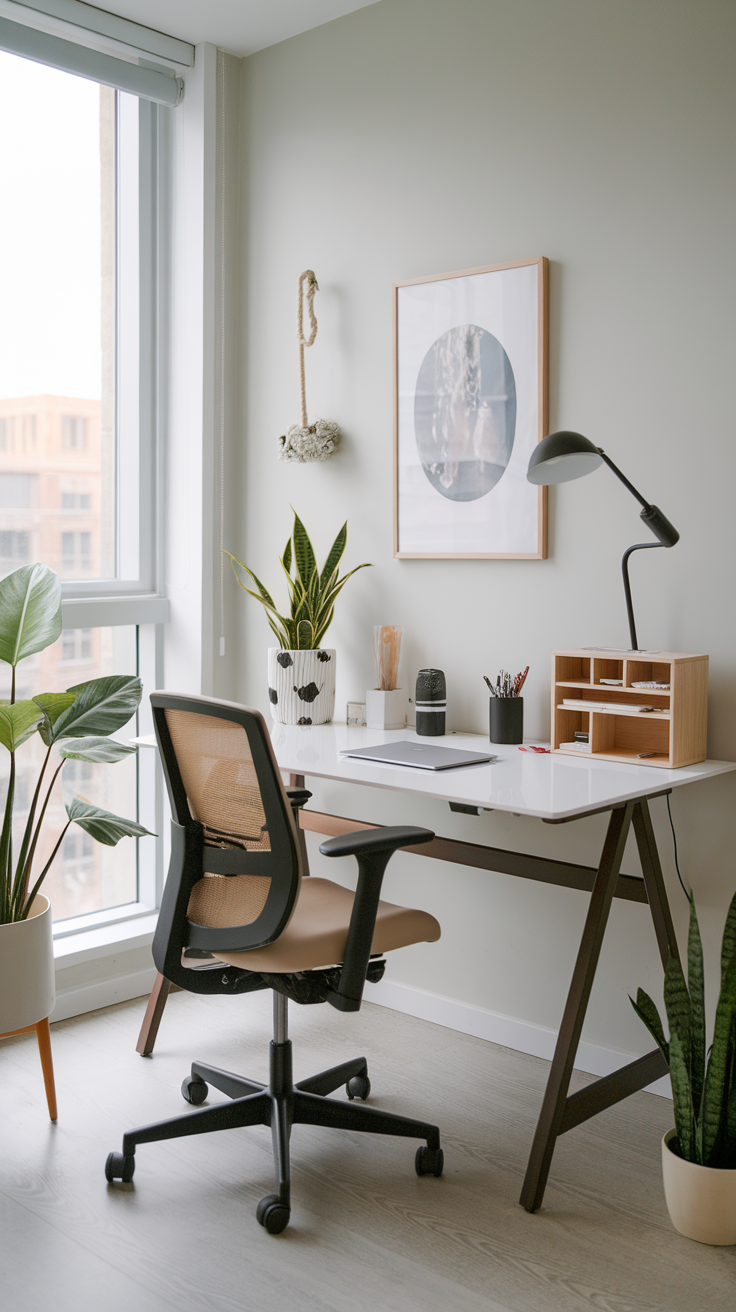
x: 223, y: 794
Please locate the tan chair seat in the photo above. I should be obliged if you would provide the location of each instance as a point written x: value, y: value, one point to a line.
x: 317, y: 932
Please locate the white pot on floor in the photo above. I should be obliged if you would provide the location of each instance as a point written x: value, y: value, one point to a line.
x: 27, y: 992
x: 301, y: 685
x: 701, y: 1200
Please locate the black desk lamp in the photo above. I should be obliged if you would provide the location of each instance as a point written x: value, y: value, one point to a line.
x: 563, y: 456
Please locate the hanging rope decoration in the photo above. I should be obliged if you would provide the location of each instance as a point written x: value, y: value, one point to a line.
x: 304, y: 442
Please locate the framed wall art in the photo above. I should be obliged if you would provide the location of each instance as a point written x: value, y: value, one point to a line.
x: 470, y: 404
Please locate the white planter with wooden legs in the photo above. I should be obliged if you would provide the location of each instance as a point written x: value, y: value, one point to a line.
x: 701, y: 1200
x: 27, y: 992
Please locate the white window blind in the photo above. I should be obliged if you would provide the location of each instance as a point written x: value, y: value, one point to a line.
x: 93, y: 44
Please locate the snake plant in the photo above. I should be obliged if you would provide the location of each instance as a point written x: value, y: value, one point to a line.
x: 703, y: 1085
x: 74, y: 724
x: 312, y: 592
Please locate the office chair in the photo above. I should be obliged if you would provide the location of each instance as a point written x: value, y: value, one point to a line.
x: 237, y: 916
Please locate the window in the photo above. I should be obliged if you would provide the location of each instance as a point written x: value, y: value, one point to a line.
x: 76, y: 501
x: 77, y: 431
x: 73, y: 432
x: 79, y: 296
x: 76, y: 645
x: 15, y: 549
x: 18, y: 491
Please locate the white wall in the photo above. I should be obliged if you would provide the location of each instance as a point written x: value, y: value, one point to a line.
x: 414, y: 137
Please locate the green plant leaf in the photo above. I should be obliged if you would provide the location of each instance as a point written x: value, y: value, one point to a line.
x: 18, y: 723
x: 334, y: 556
x: 716, y: 1095
x: 100, y: 707
x: 729, y: 1137
x: 647, y: 1012
x: 322, y: 629
x: 286, y: 558
x: 262, y: 595
x: 729, y: 938
x: 30, y: 612
x: 106, y: 750
x: 304, y: 558
x: 102, y: 825
x: 677, y: 1006
x: 682, y: 1099
x: 696, y: 989
x: 304, y: 636
x: 52, y: 704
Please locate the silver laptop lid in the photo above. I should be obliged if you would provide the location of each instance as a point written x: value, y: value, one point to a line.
x: 425, y: 756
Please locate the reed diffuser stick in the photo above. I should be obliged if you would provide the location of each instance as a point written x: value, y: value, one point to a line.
x: 386, y: 652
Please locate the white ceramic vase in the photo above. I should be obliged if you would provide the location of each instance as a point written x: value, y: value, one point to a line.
x: 27, y: 992
x: 701, y: 1200
x: 301, y: 685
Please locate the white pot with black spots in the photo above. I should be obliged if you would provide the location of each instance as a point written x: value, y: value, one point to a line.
x: 301, y: 685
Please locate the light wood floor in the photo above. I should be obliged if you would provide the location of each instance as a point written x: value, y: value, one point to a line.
x: 367, y: 1235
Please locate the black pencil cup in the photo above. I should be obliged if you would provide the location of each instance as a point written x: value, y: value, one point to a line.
x: 507, y: 719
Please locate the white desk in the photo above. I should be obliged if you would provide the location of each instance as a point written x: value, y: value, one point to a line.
x: 555, y: 789
x: 549, y: 787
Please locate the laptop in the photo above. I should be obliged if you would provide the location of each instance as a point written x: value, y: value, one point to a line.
x: 427, y: 756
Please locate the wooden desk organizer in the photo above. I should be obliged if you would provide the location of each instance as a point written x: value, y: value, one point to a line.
x: 675, y: 732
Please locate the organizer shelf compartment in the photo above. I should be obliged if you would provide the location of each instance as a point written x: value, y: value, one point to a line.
x: 673, y: 734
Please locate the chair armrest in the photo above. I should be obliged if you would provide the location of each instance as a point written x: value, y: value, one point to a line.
x: 373, y: 849
x: 364, y: 842
x: 298, y: 796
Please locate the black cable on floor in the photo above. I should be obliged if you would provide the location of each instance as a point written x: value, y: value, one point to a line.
x: 674, y: 840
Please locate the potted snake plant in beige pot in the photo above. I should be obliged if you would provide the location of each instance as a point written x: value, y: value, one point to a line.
x: 699, y: 1154
x: 301, y: 673
x: 73, y: 724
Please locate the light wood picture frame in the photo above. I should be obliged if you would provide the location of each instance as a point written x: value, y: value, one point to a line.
x: 470, y: 404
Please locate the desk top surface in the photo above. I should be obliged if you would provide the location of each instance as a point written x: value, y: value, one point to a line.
x: 551, y: 787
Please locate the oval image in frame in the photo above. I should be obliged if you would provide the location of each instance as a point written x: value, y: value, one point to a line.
x: 465, y: 413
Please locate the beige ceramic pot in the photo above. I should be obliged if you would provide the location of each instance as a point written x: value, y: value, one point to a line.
x: 27, y: 992
x: 701, y: 1200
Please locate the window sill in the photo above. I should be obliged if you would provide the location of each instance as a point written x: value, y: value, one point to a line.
x: 104, y: 941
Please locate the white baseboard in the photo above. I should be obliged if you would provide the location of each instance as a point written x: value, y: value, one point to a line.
x: 75, y: 1002
x: 537, y: 1040
x: 521, y: 1035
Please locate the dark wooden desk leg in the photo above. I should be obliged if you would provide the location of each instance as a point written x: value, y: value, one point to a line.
x: 152, y: 1018
x: 654, y: 883
x: 553, y: 1105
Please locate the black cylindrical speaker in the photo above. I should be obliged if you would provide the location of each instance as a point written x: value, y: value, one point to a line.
x: 431, y: 703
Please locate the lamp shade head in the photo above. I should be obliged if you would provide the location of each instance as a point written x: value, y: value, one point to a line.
x: 562, y: 457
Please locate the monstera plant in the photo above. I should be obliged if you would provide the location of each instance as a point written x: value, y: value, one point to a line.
x: 75, y: 725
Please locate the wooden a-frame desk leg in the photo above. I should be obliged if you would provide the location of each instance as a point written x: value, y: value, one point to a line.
x: 559, y: 1111
x: 152, y: 1018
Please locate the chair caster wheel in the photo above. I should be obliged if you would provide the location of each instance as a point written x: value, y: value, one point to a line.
x: 358, y: 1087
x: 194, y: 1090
x: 429, y: 1161
x: 272, y: 1214
x: 118, y: 1167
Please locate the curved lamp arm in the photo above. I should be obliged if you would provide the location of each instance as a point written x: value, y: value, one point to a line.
x: 563, y: 456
